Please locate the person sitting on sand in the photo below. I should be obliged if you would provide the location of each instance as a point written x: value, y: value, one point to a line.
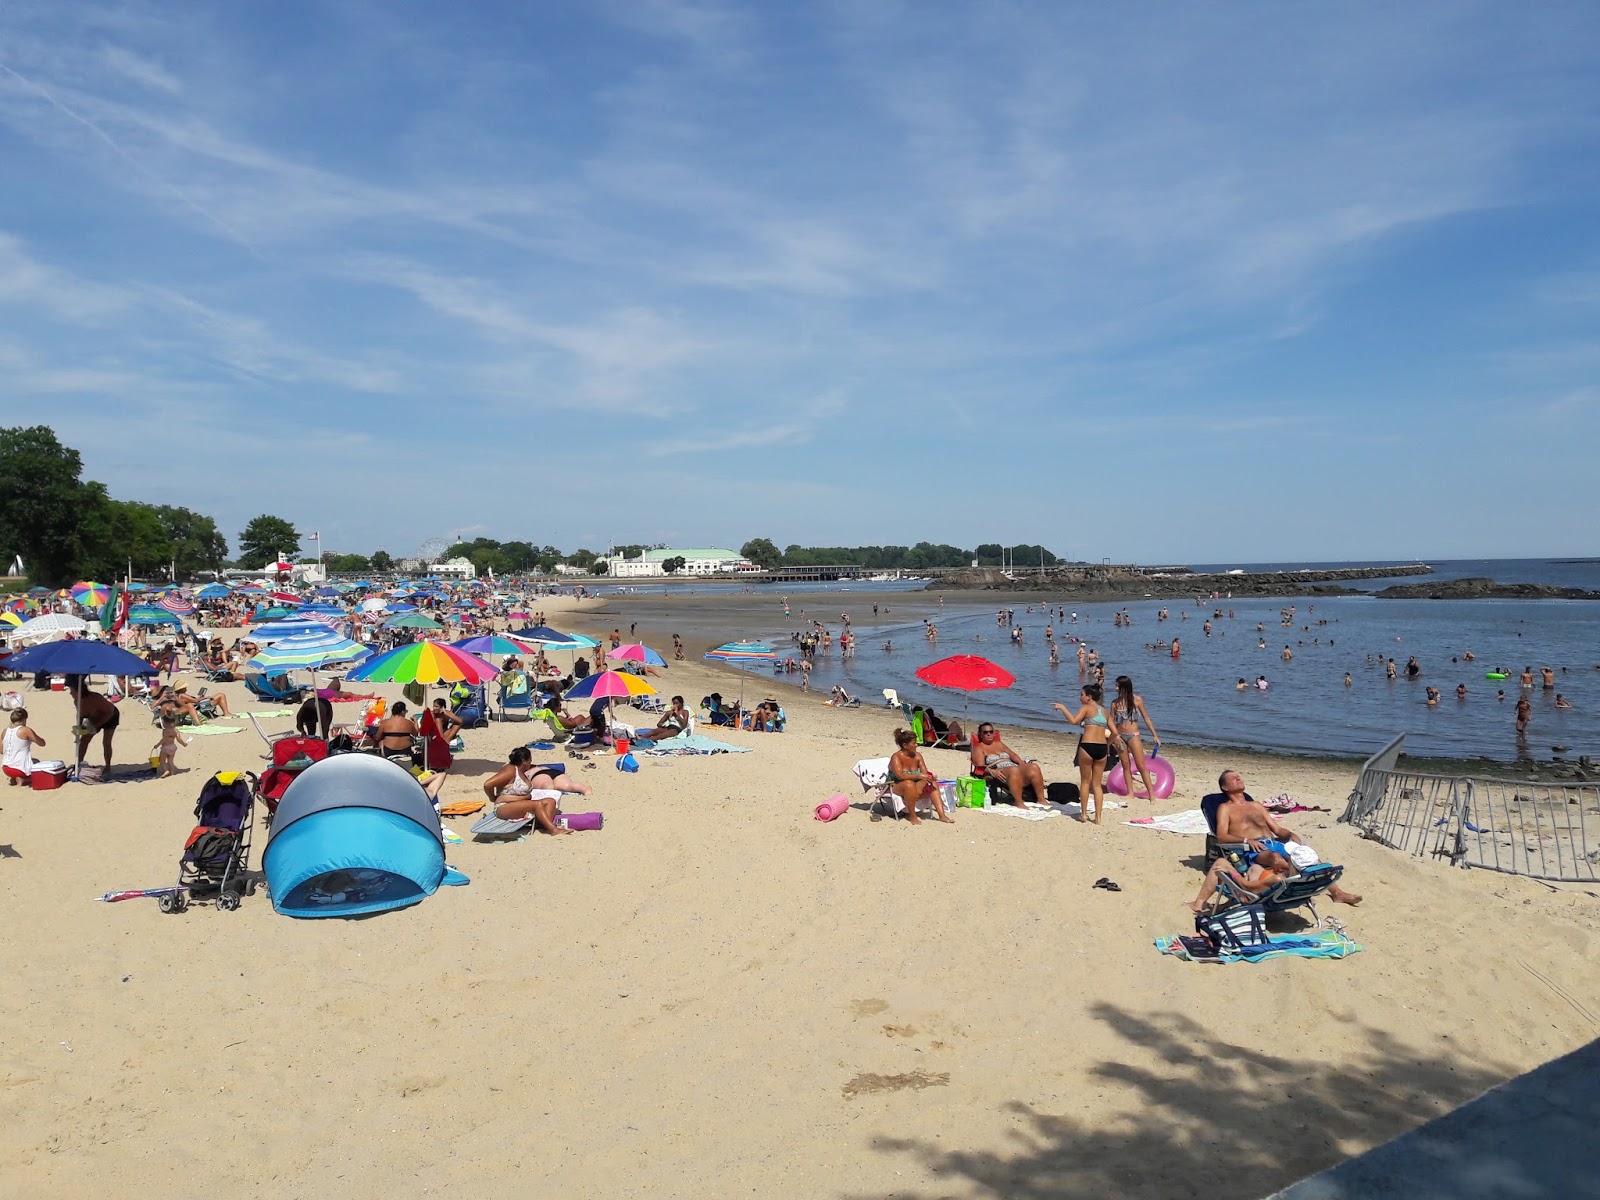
x: 670, y: 724
x: 512, y: 792
x: 1242, y: 819
x: 911, y: 780
x: 1266, y: 869
x: 19, y: 742
x: 991, y: 757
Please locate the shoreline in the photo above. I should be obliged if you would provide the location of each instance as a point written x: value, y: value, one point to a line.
x: 710, y: 620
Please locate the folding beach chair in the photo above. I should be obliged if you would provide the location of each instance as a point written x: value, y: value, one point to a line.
x: 873, y: 776
x: 1297, y: 891
x: 271, y: 739
x: 515, y: 697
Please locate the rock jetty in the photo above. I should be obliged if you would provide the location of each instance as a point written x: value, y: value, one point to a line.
x: 1482, y: 589
x: 1089, y: 584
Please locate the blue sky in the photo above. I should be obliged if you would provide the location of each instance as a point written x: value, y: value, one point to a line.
x: 1157, y: 283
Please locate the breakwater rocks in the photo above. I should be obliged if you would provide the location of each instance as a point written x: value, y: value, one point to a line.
x: 1482, y: 589
x: 1121, y: 583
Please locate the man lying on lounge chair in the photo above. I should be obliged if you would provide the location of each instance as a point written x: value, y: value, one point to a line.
x: 1241, y: 819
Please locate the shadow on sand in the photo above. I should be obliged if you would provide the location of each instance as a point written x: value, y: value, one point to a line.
x: 1219, y: 1120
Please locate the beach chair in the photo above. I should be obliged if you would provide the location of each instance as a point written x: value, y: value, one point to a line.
x: 1238, y: 852
x: 925, y: 724
x: 891, y: 698
x: 259, y: 686
x: 271, y: 739
x: 1297, y: 891
x: 515, y: 696
x: 210, y: 674
x: 873, y: 776
x: 436, y: 754
x: 470, y: 704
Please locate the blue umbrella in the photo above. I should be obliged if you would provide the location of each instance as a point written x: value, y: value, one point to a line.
x: 79, y: 657
x: 213, y: 591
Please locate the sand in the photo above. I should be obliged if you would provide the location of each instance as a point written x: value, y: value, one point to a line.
x: 717, y: 995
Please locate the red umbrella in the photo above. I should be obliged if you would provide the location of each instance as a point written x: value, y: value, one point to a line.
x: 967, y: 673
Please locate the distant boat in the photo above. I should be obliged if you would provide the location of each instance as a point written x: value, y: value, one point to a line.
x: 1235, y: 571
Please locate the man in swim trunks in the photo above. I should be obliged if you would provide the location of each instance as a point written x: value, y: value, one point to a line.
x: 1242, y: 819
x: 99, y: 716
x: 993, y: 758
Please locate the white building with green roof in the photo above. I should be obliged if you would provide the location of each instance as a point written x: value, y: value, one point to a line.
x: 712, y: 560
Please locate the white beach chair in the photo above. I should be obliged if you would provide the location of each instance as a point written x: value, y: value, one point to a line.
x: 873, y: 775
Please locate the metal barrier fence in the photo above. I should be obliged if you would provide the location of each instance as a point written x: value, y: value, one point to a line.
x: 1544, y: 831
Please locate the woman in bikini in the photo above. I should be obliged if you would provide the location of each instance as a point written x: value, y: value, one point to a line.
x: 1126, y: 710
x: 1094, y: 744
x: 513, y: 792
x: 393, y: 735
x: 910, y: 779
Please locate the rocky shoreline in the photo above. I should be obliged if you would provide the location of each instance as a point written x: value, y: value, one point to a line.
x: 1482, y: 589
x: 1090, y: 584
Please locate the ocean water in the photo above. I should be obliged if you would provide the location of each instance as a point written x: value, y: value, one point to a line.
x: 1306, y: 710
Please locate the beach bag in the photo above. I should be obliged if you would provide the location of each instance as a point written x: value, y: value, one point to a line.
x: 91, y: 773
x: 971, y: 792
x: 1061, y: 793
x: 209, y: 845
x: 1232, y: 929
x: 10, y: 700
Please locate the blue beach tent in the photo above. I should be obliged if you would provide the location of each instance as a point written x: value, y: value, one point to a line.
x: 354, y: 834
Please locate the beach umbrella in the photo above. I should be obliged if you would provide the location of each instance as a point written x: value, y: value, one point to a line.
x: 609, y: 685
x: 485, y: 645
x: 426, y: 662
x: 374, y: 604
x: 412, y: 620
x: 966, y: 673
x: 176, y: 602
x: 637, y: 653
x: 270, y: 614
x: 150, y: 614
x: 213, y: 591
x: 90, y: 595
x: 741, y: 652
x: 47, y: 628
x: 11, y: 619
x: 278, y: 630
x: 543, y: 633
x: 78, y: 657
x: 307, y: 652
x: 252, y: 588
x: 519, y: 616
x: 285, y: 598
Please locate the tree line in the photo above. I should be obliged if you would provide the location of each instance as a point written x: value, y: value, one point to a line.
x: 765, y: 553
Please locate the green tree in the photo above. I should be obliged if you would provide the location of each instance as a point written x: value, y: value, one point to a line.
x: 519, y: 556
x: 265, y: 538
x: 197, y: 544
x: 381, y: 561
x: 762, y: 552
x: 581, y: 558
x: 674, y: 564
x: 42, y: 501
x: 348, y: 563
x: 599, y: 567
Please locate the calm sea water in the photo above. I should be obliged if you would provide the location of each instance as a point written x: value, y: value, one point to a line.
x: 1307, y: 709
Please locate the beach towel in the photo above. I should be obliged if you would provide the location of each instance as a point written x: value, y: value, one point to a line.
x: 1327, y: 944
x: 691, y: 744
x: 261, y: 712
x: 1191, y: 821
x: 212, y: 730
x: 1073, y: 808
x: 1033, y: 812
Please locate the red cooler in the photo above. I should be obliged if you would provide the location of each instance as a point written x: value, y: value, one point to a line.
x: 48, y: 779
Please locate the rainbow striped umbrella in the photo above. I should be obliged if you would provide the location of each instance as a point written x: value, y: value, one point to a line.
x: 424, y: 662
x: 90, y: 594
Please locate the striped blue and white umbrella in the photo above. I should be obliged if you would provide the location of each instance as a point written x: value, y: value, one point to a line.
x: 277, y: 631
x: 307, y: 652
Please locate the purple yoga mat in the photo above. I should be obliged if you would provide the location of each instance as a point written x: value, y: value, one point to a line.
x: 581, y: 820
x: 833, y: 807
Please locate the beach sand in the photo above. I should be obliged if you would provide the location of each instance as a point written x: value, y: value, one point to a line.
x: 717, y: 995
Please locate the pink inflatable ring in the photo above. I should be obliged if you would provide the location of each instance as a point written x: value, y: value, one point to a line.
x: 1162, y: 777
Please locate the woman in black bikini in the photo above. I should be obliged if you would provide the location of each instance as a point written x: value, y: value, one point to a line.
x: 1094, y: 744
x: 394, y: 733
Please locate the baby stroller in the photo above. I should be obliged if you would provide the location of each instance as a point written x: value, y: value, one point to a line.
x: 470, y: 703
x: 218, y: 850
x: 290, y: 756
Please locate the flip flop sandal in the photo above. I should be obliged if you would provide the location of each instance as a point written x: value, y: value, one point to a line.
x: 1106, y: 885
